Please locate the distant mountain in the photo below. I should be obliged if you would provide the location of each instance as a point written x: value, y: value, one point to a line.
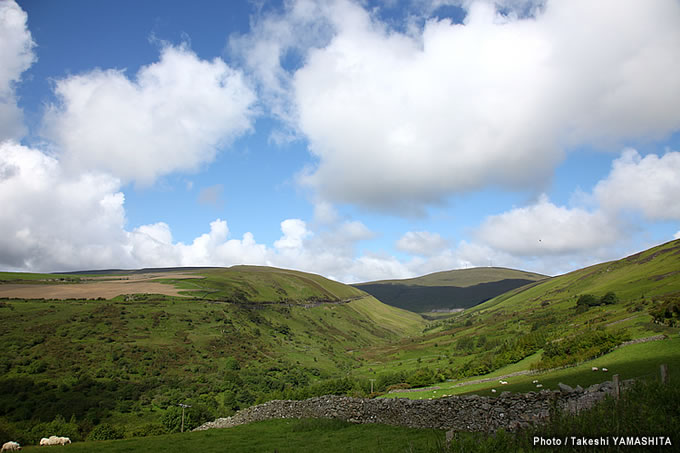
x: 462, y: 288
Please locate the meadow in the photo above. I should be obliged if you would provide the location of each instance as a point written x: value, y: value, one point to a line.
x: 119, y: 367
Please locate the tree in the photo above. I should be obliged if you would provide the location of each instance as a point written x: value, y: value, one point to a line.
x: 609, y: 299
x: 587, y: 300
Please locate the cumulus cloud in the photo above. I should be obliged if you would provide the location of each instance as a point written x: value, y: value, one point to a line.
x: 455, y: 107
x: 544, y: 228
x: 175, y: 114
x: 676, y: 235
x: 649, y: 185
x: 52, y: 222
x: 16, y: 55
x: 422, y: 243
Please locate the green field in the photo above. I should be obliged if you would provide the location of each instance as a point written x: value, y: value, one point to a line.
x: 281, y: 436
x: 246, y: 335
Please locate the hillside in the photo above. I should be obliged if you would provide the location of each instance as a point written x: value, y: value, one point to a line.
x: 461, y: 288
x: 229, y: 338
x: 541, y: 326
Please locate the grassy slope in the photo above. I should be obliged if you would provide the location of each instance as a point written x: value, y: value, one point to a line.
x: 461, y: 288
x: 547, y: 306
x: 464, y: 277
x: 264, y: 284
x: 287, y: 330
x: 280, y: 436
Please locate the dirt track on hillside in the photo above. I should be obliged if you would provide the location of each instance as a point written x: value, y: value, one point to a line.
x: 93, y: 287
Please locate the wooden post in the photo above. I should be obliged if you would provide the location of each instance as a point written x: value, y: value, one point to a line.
x: 449, y: 438
x: 664, y: 373
x: 617, y: 386
x: 372, y: 381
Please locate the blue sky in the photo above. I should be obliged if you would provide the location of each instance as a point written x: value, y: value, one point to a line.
x: 359, y: 140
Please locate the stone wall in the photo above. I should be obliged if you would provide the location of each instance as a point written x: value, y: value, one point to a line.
x: 509, y: 411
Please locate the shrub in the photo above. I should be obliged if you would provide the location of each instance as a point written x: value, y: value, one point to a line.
x: 587, y: 300
x: 105, y: 432
x: 609, y: 299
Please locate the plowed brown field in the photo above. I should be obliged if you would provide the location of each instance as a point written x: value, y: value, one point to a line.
x: 96, y: 287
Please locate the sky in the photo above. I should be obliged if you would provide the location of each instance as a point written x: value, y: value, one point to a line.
x: 359, y: 140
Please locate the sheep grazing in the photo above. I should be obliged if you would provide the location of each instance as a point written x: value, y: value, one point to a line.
x: 503, y: 382
x: 535, y: 381
x: 11, y: 446
x: 493, y: 390
x: 594, y: 368
x: 55, y: 440
x: 605, y: 370
x: 539, y: 385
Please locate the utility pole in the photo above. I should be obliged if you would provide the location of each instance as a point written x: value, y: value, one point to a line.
x: 183, y: 406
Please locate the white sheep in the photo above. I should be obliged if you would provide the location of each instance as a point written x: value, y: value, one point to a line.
x: 535, y: 381
x: 594, y: 368
x: 605, y: 370
x: 55, y: 440
x: 11, y: 446
x: 493, y: 390
x: 503, y: 382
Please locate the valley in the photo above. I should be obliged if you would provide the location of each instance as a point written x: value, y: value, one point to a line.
x: 222, y: 340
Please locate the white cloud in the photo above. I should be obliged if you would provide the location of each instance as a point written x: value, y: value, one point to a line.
x: 649, y: 184
x: 546, y: 229
x: 173, y: 116
x: 294, y: 232
x: 397, y: 120
x: 16, y: 55
x: 676, y: 235
x: 422, y: 243
x: 51, y: 222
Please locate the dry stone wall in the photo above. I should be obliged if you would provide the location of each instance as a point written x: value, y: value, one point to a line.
x: 509, y: 411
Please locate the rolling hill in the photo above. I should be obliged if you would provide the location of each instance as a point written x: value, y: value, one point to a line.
x: 220, y: 339
x: 542, y: 325
x: 462, y: 288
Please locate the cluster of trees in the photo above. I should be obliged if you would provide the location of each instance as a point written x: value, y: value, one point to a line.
x: 586, y: 301
x: 579, y: 348
x: 666, y: 311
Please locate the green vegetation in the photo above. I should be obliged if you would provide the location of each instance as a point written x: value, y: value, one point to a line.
x: 519, y: 323
x: 281, y: 436
x: 647, y: 409
x: 463, y: 288
x: 586, y: 301
x: 127, y: 363
x: 245, y: 335
x: 247, y: 284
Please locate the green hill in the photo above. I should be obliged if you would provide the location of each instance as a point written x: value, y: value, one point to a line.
x: 543, y: 325
x: 234, y: 337
x: 462, y: 288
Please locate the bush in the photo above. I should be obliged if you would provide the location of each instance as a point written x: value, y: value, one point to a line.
x: 609, y: 299
x: 587, y: 300
x: 105, y: 432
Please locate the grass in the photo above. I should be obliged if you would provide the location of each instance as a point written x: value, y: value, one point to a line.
x: 307, y: 435
x: 130, y: 362
x: 464, y: 277
x: 629, y: 362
